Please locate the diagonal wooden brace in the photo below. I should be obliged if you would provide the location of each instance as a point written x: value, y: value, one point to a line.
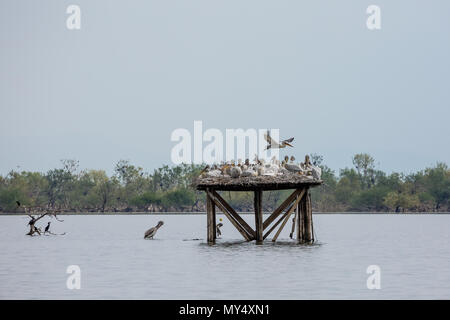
x: 276, y: 224
x: 281, y: 208
x: 288, y: 214
x: 230, y: 217
x: 291, y: 208
x: 233, y: 213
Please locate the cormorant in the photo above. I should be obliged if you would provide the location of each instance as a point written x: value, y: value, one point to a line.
x: 32, y: 221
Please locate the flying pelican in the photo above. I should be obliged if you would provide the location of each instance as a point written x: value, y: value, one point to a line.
x: 272, y: 144
x: 150, y: 233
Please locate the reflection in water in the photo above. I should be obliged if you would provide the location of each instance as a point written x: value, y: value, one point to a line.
x: 245, y: 245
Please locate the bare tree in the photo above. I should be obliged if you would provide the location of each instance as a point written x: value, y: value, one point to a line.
x: 32, y: 223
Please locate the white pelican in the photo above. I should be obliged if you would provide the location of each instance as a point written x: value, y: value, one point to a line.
x: 272, y: 144
x: 150, y: 233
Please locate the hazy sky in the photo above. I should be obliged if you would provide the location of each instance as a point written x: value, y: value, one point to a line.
x: 137, y: 70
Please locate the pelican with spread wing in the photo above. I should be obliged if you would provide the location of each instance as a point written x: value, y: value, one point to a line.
x: 272, y: 144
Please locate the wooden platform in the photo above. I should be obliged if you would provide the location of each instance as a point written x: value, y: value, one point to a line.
x: 257, y: 183
x: 298, y: 203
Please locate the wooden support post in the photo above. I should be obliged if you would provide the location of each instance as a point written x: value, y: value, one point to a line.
x: 309, y: 234
x: 214, y: 223
x: 301, y: 220
x: 258, y: 216
x: 210, y: 213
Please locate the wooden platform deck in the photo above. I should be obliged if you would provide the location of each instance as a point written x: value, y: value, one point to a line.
x: 283, y: 182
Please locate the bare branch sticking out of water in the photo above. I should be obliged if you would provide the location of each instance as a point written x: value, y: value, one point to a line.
x: 32, y: 223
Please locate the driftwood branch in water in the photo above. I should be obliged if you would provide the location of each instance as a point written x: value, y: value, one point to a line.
x: 32, y: 222
x: 54, y: 234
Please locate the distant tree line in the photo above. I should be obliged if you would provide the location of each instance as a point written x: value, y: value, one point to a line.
x: 364, y: 188
x: 130, y: 189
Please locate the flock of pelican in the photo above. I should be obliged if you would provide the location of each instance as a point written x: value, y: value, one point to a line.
x: 262, y: 168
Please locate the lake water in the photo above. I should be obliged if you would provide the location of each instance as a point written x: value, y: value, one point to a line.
x: 412, y: 251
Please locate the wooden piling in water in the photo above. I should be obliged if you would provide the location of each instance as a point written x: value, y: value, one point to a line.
x: 301, y: 221
x: 210, y: 219
x: 259, y: 224
x: 214, y: 222
x: 309, y: 234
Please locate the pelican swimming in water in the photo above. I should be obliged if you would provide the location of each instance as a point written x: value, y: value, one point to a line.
x: 272, y: 144
x: 150, y: 233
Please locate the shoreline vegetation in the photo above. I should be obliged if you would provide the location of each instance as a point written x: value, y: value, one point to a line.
x: 359, y: 189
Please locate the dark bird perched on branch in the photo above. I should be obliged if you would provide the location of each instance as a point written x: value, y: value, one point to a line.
x: 32, y: 221
x: 150, y: 233
x: 18, y: 203
x: 33, y: 228
x: 47, y: 228
x: 272, y: 144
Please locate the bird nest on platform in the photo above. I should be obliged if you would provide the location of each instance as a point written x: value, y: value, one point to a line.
x: 277, y: 182
x: 260, y: 175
